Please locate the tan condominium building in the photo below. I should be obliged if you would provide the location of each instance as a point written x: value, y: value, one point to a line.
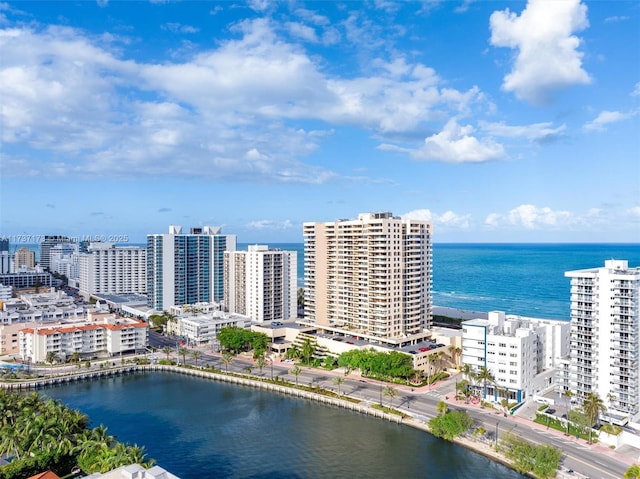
x: 25, y: 257
x: 370, y: 277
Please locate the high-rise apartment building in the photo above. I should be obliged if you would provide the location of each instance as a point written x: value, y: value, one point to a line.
x: 370, y: 276
x: 261, y: 283
x: 110, y: 269
x: 4, y: 244
x: 63, y: 259
x: 24, y: 257
x: 605, y: 335
x: 45, y: 249
x: 186, y: 268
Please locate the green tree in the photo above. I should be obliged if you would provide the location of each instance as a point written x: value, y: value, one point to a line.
x: 593, y: 406
x: 338, y: 381
x: 74, y: 357
x: 442, y: 408
x: 167, y: 350
x: 226, y: 359
x: 308, y: 350
x: 455, y: 353
x: 182, y: 351
x: 51, y: 357
x: 261, y: 362
x: 485, y: 375
x: 301, y: 298
x: 451, y: 424
x: 296, y: 371
x: 633, y: 472
x: 293, y: 352
x: 541, y: 460
x: 391, y: 393
x: 196, y: 354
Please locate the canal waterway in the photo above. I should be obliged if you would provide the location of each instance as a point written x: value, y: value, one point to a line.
x: 201, y: 428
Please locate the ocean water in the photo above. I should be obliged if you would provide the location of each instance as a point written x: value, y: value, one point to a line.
x: 524, y: 279
x: 519, y: 278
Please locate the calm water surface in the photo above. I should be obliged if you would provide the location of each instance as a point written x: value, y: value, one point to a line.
x: 199, y: 428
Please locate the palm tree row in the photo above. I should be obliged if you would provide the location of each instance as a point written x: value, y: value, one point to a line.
x: 30, y: 425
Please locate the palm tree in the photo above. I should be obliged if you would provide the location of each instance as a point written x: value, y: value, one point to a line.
x: 455, y: 353
x: 183, y: 352
x: 338, y: 380
x: 75, y: 357
x: 467, y: 372
x: 308, y: 350
x: 442, y: 408
x: 485, y: 376
x: 430, y: 360
x: 293, y: 352
x: 167, y: 350
x: 261, y: 362
x: 195, y: 354
x: 592, y: 406
x: 51, y: 357
x: 391, y: 393
x: 226, y: 359
x: 296, y: 370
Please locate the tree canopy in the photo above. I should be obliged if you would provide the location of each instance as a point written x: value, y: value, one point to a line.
x: 371, y: 363
x: 237, y: 340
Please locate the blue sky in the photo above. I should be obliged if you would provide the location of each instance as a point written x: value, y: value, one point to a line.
x: 497, y: 121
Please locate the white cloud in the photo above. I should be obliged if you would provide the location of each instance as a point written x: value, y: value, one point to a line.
x: 539, y: 132
x: 531, y: 217
x: 456, y: 144
x: 269, y: 224
x: 616, y: 18
x: 547, y: 51
x: 84, y: 109
x: 179, y: 28
x: 446, y: 219
x: 605, y: 118
x: 635, y: 211
x: 636, y: 90
x: 301, y: 31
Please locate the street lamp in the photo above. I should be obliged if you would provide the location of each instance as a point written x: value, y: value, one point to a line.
x: 497, y: 422
x: 381, y: 395
x: 272, y: 369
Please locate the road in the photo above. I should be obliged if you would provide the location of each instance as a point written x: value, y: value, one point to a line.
x: 422, y: 405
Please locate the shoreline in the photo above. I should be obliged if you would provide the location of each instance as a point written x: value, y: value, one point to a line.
x: 289, y: 390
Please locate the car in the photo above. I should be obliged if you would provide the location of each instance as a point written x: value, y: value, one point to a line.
x: 413, y: 352
x: 349, y: 342
x: 550, y: 411
x: 423, y: 350
x: 337, y: 339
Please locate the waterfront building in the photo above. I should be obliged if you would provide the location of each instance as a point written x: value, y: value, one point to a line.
x: 107, y: 269
x: 102, y: 334
x: 203, y: 328
x: 261, y: 283
x: 605, y: 334
x: 186, y: 268
x: 63, y: 259
x: 369, y: 277
x: 24, y: 258
x: 45, y: 249
x: 520, y: 353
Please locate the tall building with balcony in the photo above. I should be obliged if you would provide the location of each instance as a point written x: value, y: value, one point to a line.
x: 186, y: 268
x: 369, y: 277
x: 605, y: 335
x: 110, y: 269
x: 261, y: 283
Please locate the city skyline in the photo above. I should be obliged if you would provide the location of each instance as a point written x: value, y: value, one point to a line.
x: 496, y: 121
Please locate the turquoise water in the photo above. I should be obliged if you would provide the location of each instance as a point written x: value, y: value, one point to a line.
x: 197, y: 428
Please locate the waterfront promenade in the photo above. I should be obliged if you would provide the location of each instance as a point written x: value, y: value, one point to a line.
x: 362, y: 395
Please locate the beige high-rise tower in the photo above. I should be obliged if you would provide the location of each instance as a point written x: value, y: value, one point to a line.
x: 370, y: 276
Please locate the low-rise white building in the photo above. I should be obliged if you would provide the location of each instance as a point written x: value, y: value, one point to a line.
x: 40, y: 307
x: 204, y: 328
x: 102, y: 334
x: 521, y: 353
